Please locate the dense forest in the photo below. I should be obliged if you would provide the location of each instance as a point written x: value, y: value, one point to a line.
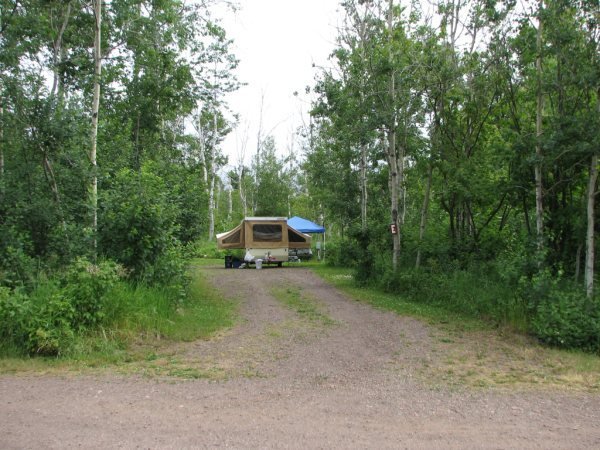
x: 452, y: 154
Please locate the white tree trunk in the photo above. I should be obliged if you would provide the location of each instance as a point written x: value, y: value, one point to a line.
x: 213, y: 174
x: 211, y: 209
x: 95, y: 110
x: 57, y: 53
x: 202, y: 146
x: 229, y: 204
x: 590, y: 241
x: 242, y: 190
x: 391, y: 151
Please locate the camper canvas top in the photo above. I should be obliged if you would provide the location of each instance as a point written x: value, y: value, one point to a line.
x: 263, y: 233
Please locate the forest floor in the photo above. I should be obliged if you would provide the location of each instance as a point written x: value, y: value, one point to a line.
x: 305, y: 367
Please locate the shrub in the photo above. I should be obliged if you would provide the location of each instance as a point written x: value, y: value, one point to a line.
x: 169, y: 272
x: 137, y: 223
x: 39, y: 324
x: 204, y: 249
x: 15, y: 311
x: 568, y: 319
x: 85, y: 285
x: 49, y: 331
x: 16, y: 268
x: 340, y: 253
x: 473, y: 293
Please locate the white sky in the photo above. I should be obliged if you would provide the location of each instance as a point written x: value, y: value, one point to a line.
x: 277, y: 43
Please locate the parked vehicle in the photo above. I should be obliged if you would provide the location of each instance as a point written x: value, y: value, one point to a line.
x: 269, y: 239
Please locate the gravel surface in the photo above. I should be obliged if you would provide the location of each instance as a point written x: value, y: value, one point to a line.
x: 349, y: 377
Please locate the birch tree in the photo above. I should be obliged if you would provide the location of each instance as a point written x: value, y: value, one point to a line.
x: 97, y: 7
x: 539, y: 111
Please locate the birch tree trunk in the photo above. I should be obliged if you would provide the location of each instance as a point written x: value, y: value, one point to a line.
x: 95, y: 110
x: 58, y: 54
x: 391, y: 151
x: 590, y: 241
x: 242, y: 190
x: 211, y: 193
x: 202, y: 145
x: 539, y: 207
x: 229, y: 204
x: 363, y: 147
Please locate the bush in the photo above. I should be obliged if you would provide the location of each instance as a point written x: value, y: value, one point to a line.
x: 340, y: 253
x: 44, y: 322
x: 169, y: 272
x: 568, y: 319
x: 16, y: 268
x: 39, y: 324
x: 474, y: 293
x: 15, y: 311
x: 48, y: 328
x: 85, y: 285
x: 205, y: 249
x: 137, y: 223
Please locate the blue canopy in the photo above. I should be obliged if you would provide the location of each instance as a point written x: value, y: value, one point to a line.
x: 304, y: 225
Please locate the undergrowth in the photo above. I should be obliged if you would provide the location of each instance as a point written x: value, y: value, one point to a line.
x: 97, y: 322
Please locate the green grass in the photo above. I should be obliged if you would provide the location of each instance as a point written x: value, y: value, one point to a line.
x: 342, y: 278
x: 140, y: 320
x: 465, y: 351
x: 305, y: 307
x: 150, y: 312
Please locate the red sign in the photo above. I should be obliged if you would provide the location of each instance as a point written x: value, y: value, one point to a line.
x: 394, y: 228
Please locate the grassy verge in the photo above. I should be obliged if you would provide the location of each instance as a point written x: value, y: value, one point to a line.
x: 141, y: 323
x: 306, y: 308
x: 468, y: 352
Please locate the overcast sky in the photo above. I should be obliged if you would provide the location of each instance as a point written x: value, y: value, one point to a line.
x: 277, y: 42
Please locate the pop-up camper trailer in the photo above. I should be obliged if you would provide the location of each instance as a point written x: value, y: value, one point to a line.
x: 265, y: 238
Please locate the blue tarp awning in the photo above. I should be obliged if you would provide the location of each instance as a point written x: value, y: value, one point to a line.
x: 304, y: 225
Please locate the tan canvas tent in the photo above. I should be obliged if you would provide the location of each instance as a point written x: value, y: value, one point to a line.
x: 266, y: 238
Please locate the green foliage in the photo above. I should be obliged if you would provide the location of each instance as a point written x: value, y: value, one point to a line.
x: 340, y: 253
x: 474, y: 293
x: 16, y: 268
x: 568, y: 319
x: 45, y: 322
x: 273, y: 188
x: 60, y: 317
x: 137, y: 225
x: 85, y: 286
x: 136, y: 309
x: 204, y: 249
x: 15, y: 309
x: 39, y: 324
x: 49, y: 328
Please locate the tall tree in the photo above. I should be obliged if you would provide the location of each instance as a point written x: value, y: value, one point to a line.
x: 97, y: 5
x: 539, y: 112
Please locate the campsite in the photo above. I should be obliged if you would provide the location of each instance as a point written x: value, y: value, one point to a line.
x: 310, y: 224
x: 307, y: 366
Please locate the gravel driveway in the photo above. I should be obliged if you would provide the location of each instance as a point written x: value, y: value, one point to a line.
x: 343, y: 376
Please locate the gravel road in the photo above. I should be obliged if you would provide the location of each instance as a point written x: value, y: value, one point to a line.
x: 344, y: 376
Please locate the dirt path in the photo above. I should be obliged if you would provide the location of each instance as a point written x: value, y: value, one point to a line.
x: 323, y: 372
